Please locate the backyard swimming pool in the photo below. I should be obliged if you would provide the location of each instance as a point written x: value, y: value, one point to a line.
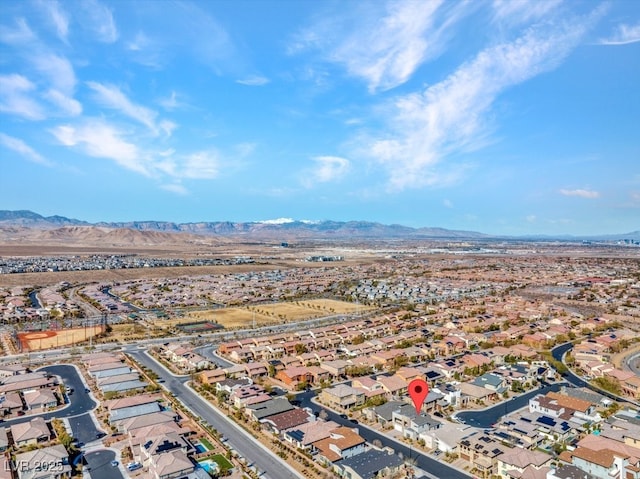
x: 209, y: 465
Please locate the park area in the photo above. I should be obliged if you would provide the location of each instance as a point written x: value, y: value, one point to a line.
x: 267, y: 314
x: 38, y: 340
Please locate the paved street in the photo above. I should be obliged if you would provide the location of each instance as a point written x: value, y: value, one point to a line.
x: 99, y: 465
x: 488, y: 417
x: 209, y: 353
x: 240, y: 440
x: 559, y: 351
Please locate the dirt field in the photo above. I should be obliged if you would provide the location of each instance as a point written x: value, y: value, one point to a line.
x: 227, y: 317
x: 334, y: 306
x: 37, y: 340
x: 127, y: 332
x: 268, y: 313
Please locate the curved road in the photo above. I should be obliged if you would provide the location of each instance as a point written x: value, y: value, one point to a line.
x: 488, y: 417
x: 209, y: 352
x: 262, y: 458
x: 559, y: 351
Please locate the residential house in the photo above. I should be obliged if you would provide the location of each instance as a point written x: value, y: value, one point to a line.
x: 337, y: 368
x: 603, y: 464
x: 481, y: 453
x: 304, y: 435
x: 520, y: 463
x: 342, y: 443
x: 369, y: 465
x: 256, y: 370
x: 10, y: 403
x: 394, y: 386
x: 47, y: 463
x: 161, y: 444
x: 410, y: 424
x: 342, y: 397
x: 30, y: 433
x: 268, y: 408
x: 490, y: 381
x: 248, y: 395
x: 109, y: 369
x: 169, y: 465
x: 40, y: 399
x: 286, y: 420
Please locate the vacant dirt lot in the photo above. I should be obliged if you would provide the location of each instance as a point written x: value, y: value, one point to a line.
x: 267, y: 313
x: 335, y: 307
x: 227, y: 317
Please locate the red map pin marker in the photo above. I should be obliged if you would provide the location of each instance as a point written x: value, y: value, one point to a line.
x: 418, y: 390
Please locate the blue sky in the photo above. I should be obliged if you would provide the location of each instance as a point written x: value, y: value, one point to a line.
x: 505, y: 117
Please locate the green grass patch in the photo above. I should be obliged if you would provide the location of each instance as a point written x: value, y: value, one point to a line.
x: 205, y: 442
x: 222, y: 461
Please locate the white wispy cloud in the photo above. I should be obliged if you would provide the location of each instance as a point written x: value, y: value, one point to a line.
x: 99, y: 18
x: 54, y: 75
x: 384, y: 45
x: 522, y: 11
x: 253, y: 80
x: 201, y: 165
x: 20, y: 35
x: 450, y: 118
x: 326, y: 169
x: 57, y: 17
x: 581, y: 193
x: 57, y: 70
x: 100, y: 139
x: 176, y: 188
x: 15, y: 97
x: 447, y: 203
x: 139, y: 42
x: 172, y: 102
x: 69, y: 106
x: 112, y: 97
x: 19, y: 146
x: 623, y: 35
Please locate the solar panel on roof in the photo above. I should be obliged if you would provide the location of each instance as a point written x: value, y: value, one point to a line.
x: 296, y: 434
x: 546, y: 420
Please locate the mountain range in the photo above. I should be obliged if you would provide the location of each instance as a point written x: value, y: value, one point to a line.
x: 282, y: 228
x: 279, y: 229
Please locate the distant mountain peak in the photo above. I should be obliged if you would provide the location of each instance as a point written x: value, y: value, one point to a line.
x: 277, y: 221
